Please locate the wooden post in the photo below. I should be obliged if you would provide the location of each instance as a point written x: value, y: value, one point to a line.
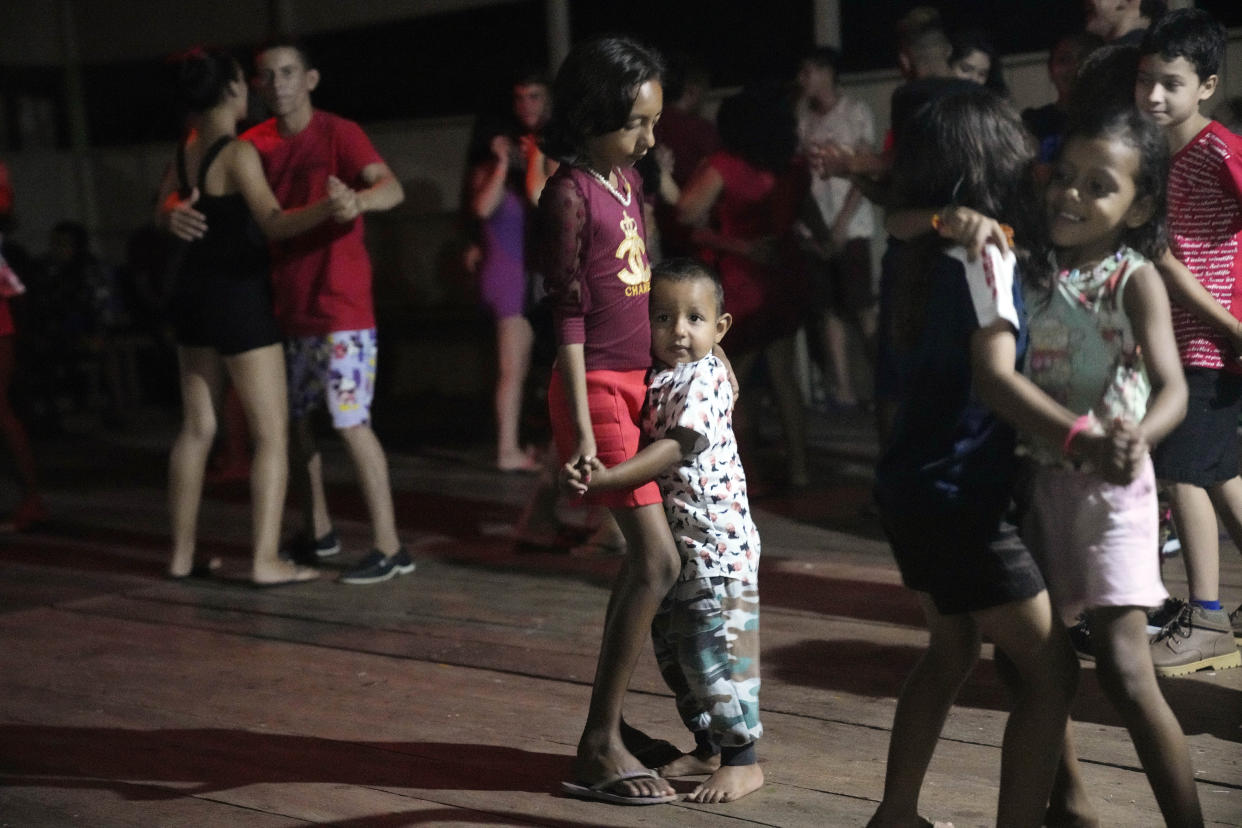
x: 557, y: 16
x: 827, y: 22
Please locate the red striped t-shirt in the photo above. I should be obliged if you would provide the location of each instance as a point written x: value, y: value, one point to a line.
x: 1205, y: 233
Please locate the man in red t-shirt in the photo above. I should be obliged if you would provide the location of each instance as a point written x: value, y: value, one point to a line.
x: 322, y: 288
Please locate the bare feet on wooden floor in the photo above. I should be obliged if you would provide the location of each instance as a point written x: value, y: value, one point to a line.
x: 690, y: 764
x: 728, y: 784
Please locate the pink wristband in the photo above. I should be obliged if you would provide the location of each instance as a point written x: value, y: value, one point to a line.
x: 1080, y: 425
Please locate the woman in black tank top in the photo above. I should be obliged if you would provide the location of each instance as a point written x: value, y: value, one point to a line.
x: 217, y: 200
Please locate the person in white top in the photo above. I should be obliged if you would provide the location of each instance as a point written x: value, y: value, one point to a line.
x: 837, y: 222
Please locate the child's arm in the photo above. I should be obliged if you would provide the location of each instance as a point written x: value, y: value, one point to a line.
x: 969, y: 228
x: 572, y: 364
x: 646, y: 465
x: 1147, y: 306
x: 719, y: 353
x: 1022, y: 404
x: 1189, y: 293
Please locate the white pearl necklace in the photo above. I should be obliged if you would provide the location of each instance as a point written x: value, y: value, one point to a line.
x: 624, y: 199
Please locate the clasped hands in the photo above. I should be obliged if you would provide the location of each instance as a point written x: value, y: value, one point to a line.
x: 187, y: 223
x: 575, y: 477
x: 1117, y: 452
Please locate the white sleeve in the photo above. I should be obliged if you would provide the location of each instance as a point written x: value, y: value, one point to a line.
x: 990, y: 279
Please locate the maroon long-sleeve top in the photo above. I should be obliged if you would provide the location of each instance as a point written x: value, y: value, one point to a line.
x: 596, y: 268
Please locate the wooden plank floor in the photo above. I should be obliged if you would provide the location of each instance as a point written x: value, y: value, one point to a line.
x: 455, y: 696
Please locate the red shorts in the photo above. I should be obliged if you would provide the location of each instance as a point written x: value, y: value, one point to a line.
x: 615, y: 400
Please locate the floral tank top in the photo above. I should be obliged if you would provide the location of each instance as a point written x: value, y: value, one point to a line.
x: 1083, y: 352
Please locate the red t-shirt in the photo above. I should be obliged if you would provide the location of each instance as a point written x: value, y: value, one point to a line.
x: 322, y: 278
x: 596, y: 268
x: 1205, y: 233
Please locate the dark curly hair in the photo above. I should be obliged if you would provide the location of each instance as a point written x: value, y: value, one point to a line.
x: 1127, y: 124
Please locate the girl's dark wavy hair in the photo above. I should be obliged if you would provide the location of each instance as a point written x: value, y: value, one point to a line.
x: 966, y: 148
x: 202, y: 75
x: 594, y: 92
x: 1122, y: 122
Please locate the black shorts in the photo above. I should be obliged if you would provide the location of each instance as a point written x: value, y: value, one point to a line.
x: 965, y: 561
x: 231, y: 315
x: 843, y: 282
x: 1203, y: 450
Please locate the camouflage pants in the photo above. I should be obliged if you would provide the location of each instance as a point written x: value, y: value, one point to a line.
x: 706, y: 637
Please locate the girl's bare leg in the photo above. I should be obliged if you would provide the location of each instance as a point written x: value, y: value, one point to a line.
x: 1040, y: 652
x: 1123, y: 664
x: 514, y: 339
x: 648, y: 571
x: 1069, y: 804
x: 259, y: 378
x: 202, y: 379
x: 922, y: 707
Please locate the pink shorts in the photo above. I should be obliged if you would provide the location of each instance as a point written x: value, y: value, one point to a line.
x: 615, y: 400
x: 1097, y: 543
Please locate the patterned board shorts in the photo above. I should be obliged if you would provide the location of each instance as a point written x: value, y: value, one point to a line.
x: 337, y: 370
x: 706, y: 637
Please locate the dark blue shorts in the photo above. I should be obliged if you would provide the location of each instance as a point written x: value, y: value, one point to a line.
x: 965, y: 561
x: 1203, y: 449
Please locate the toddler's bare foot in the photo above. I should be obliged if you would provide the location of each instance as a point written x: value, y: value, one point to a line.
x: 690, y: 764
x: 728, y: 784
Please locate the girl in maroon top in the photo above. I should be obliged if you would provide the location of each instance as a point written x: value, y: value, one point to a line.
x: 608, y: 99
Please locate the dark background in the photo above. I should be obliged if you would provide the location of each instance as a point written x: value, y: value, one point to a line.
x: 455, y: 63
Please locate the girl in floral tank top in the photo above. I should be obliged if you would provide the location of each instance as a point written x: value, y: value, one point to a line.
x: 1102, y: 346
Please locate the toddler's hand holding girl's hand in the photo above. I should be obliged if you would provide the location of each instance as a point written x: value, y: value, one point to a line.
x: 576, y: 477
x: 573, y: 479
